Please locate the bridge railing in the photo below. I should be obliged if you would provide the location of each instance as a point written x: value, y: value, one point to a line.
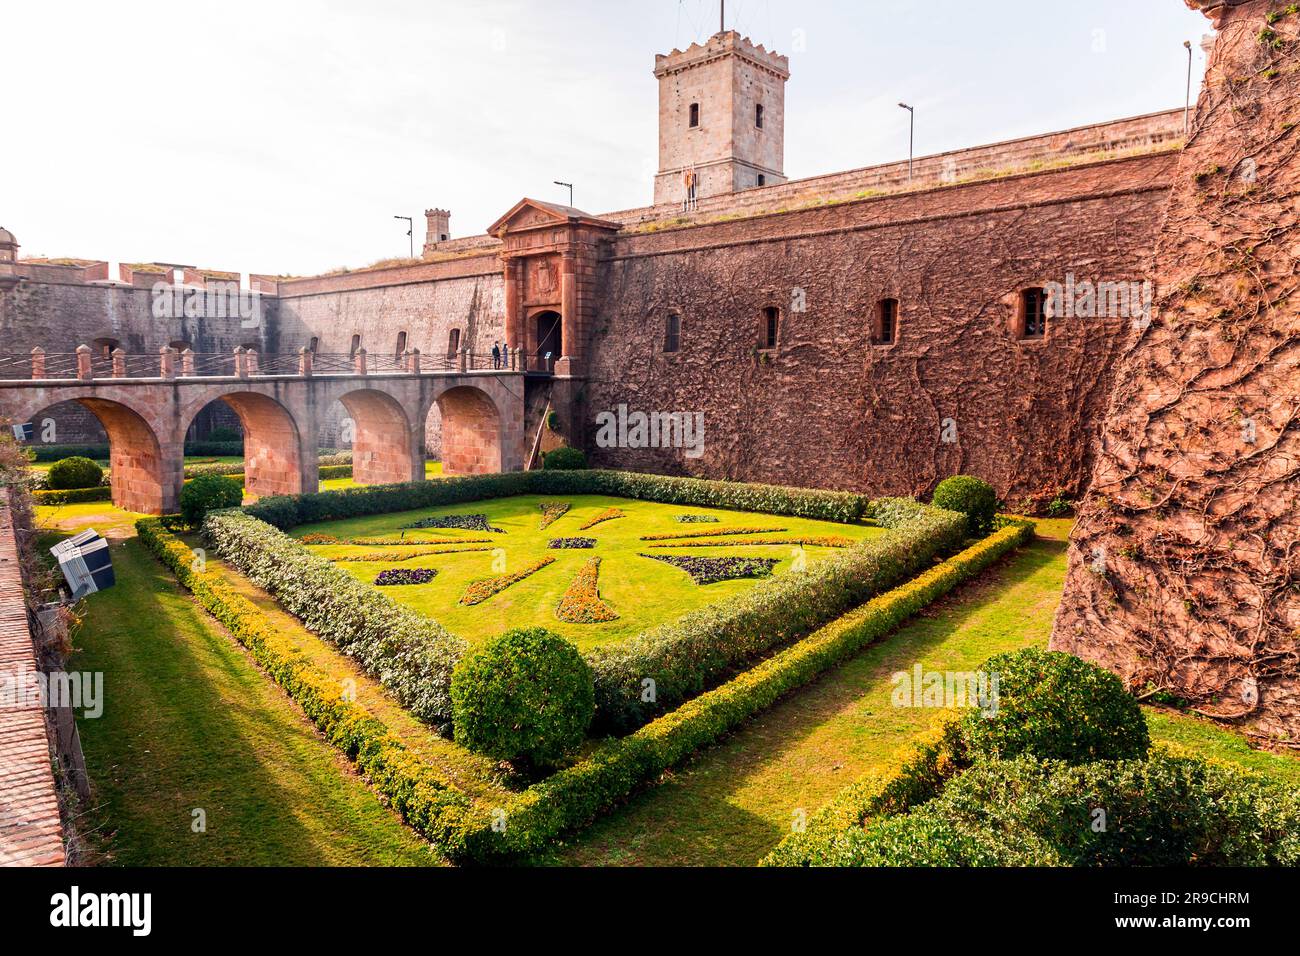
x: 86, y: 364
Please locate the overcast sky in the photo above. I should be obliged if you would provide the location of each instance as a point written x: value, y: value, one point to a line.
x: 282, y: 137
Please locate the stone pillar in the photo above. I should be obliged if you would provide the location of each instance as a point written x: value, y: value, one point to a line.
x: 569, y: 305
x: 167, y: 362
x: 413, y: 361
x: 38, y: 362
x: 513, y: 329
x: 305, y: 362
x: 251, y: 361
x: 187, y: 363
x: 514, y: 358
x: 241, y: 364
x: 359, y: 362
x: 85, y: 371
x: 462, y: 359
x: 119, y: 363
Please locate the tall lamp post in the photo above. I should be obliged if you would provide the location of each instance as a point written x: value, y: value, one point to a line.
x: 911, y: 137
x: 570, y: 186
x: 410, y: 231
x: 1187, y: 109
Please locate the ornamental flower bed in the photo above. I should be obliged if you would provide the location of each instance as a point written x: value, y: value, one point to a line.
x: 320, y: 539
x: 712, y: 570
x: 563, y: 544
x: 609, y: 514
x: 695, y: 519
x: 395, y: 577
x: 463, y: 522
x: 581, y: 603
x: 480, y: 591
x: 375, y: 557
x: 820, y: 541
x: 552, y: 511
x: 711, y: 533
x: 408, y: 542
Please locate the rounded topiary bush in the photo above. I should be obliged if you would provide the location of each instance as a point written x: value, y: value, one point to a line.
x: 74, y: 472
x: 972, y: 497
x: 564, y: 459
x: 1056, y: 706
x: 209, y: 493
x: 526, y: 697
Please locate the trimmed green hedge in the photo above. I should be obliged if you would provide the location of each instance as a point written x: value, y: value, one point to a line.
x: 642, y: 678
x: 685, y: 656
x: 73, y: 496
x: 290, y: 511
x: 410, y: 655
x: 467, y: 831
x: 1163, y: 811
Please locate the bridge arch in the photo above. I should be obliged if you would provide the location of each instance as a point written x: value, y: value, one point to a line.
x: 386, y: 449
x: 274, y: 458
x: 473, y: 432
x: 144, y: 463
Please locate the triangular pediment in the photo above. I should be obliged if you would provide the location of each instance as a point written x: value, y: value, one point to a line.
x: 536, y: 214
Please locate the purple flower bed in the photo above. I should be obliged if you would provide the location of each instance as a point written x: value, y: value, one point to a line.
x: 399, y: 576
x: 463, y: 522
x: 561, y: 544
x: 711, y: 570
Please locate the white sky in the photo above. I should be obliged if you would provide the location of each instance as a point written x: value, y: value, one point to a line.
x: 282, y: 137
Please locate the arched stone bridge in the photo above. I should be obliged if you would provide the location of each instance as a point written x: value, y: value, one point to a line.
x: 146, y: 420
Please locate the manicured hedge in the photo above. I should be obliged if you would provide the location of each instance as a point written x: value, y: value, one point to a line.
x: 576, y: 795
x: 56, y: 452
x: 685, y: 656
x: 409, y: 654
x: 290, y: 511
x: 73, y: 496
x: 467, y: 831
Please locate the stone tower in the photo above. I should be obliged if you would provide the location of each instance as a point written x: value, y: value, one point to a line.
x: 437, y: 229
x: 721, y: 112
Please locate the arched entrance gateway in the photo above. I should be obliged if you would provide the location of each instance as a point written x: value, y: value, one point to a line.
x: 473, y: 442
x: 549, y: 335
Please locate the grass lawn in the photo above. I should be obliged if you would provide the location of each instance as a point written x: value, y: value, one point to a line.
x: 190, y: 723
x: 642, y: 591
x: 734, y: 802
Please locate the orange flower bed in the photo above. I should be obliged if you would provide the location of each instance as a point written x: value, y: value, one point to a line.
x: 609, y: 514
x: 711, y: 533
x: 480, y: 591
x: 552, y: 511
x: 581, y: 603
x: 376, y: 557
x: 820, y: 541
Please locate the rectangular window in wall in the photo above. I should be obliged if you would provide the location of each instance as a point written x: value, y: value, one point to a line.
x: 1034, y: 304
x: 695, y: 115
x: 771, y: 327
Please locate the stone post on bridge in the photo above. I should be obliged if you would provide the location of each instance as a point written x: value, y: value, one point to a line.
x: 38, y: 362
x: 167, y: 362
x: 85, y: 371
x: 413, y: 361
x: 241, y: 366
x: 462, y: 360
x: 359, y: 362
x: 119, y: 363
x: 305, y: 362
x: 187, y: 363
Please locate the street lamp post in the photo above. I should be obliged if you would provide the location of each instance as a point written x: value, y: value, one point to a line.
x: 410, y: 231
x: 570, y: 187
x: 911, y: 137
x: 1187, y: 109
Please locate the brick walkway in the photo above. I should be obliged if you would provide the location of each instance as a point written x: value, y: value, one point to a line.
x: 30, y: 831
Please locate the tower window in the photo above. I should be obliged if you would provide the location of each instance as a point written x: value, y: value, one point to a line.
x: 758, y: 116
x: 695, y: 115
x: 314, y: 345
x: 401, y: 343
x: 356, y: 346
x: 673, y: 333
x: 771, y: 330
x: 886, y: 325
x: 1033, y: 308
x: 762, y: 180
